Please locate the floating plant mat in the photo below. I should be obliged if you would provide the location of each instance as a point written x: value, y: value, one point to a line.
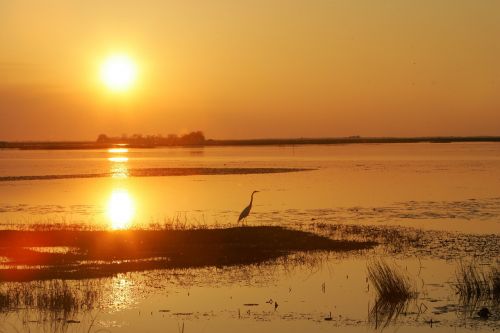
x: 407, y: 241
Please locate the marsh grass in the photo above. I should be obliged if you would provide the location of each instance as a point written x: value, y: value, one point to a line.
x: 390, y: 283
x: 384, y: 312
x: 105, y: 253
x: 57, y: 297
x: 474, y: 284
x: 384, y: 233
x: 495, y: 283
x: 394, y: 292
x: 179, y: 222
x: 395, y: 239
x: 409, y: 241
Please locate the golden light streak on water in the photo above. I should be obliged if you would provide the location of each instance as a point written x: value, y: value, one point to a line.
x: 118, y: 159
x: 119, y: 162
x: 117, y: 150
x: 121, y: 294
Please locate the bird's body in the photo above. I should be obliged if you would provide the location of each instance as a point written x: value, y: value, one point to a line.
x: 247, y: 209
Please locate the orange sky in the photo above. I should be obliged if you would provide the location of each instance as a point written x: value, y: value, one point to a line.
x: 247, y: 69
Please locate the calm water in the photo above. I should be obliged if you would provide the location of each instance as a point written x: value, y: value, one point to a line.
x: 444, y: 187
x: 438, y: 186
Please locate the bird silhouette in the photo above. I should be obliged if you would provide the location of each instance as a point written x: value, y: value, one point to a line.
x: 247, y: 209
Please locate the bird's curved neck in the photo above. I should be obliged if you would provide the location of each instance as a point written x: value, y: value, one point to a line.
x: 251, y: 199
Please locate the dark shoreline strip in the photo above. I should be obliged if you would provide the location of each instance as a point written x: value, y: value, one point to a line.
x: 160, y: 172
x: 105, y: 253
x: 71, y: 145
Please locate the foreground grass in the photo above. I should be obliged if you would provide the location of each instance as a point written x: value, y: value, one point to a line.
x: 55, y: 296
x: 390, y: 283
x: 473, y: 284
x: 104, y: 253
x: 394, y: 292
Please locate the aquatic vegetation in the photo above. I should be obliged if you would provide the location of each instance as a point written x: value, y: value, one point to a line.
x: 104, y: 253
x: 414, y: 241
x: 383, y: 234
x: 495, y: 283
x: 394, y: 292
x: 474, y: 284
x: 390, y: 283
x: 385, y: 312
x: 55, y: 296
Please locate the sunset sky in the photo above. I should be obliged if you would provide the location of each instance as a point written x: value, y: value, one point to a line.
x: 251, y: 69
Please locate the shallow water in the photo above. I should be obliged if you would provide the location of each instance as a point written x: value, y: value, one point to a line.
x: 244, y: 298
x: 431, y: 186
x: 450, y: 191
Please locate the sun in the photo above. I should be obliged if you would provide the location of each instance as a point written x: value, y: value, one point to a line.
x: 118, y: 72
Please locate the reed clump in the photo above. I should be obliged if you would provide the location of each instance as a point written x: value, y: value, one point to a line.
x: 390, y: 283
x: 474, y: 283
x: 495, y: 283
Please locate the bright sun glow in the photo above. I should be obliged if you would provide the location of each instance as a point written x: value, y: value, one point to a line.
x: 118, y: 159
x: 117, y: 150
x: 121, y: 209
x: 118, y: 72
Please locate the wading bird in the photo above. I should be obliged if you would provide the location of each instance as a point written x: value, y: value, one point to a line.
x: 246, y: 211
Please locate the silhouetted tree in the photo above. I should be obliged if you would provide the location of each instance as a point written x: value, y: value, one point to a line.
x: 102, y: 138
x: 193, y: 138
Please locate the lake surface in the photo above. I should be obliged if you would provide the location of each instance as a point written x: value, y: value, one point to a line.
x: 452, y: 188
x: 436, y: 186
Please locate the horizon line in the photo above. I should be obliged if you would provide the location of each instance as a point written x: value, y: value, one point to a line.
x: 350, y: 137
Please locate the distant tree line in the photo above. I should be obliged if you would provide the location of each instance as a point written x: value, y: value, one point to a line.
x: 190, y: 139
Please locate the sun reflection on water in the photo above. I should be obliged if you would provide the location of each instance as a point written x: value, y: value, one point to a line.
x: 118, y: 168
x: 121, y: 209
x: 121, y: 293
x: 118, y: 159
x: 117, y: 150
